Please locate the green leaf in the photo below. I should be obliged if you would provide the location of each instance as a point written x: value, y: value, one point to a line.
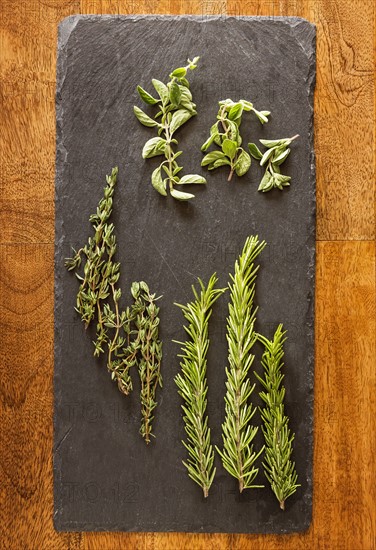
x: 255, y: 151
x: 260, y: 115
x: 153, y: 147
x: 191, y: 178
x: 212, y: 157
x: 266, y: 156
x: 243, y: 163
x: 146, y: 97
x: 180, y: 195
x: 219, y: 162
x: 180, y: 72
x: 144, y: 118
x: 266, y: 183
x: 272, y: 142
x: 175, y: 93
x: 157, y: 182
x: 205, y: 146
x: 235, y: 111
x: 184, y: 81
x: 185, y: 92
x: 179, y: 118
x: 162, y: 90
x: 281, y: 157
x: 229, y: 148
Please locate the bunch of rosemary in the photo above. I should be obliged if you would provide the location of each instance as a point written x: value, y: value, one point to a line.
x: 130, y: 336
x: 238, y: 455
x: 225, y: 134
x: 193, y: 386
x: 175, y: 109
x: 278, y: 467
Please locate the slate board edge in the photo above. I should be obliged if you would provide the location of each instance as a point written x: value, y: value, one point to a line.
x: 65, y: 29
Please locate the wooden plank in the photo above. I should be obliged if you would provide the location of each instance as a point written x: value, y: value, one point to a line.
x: 345, y: 336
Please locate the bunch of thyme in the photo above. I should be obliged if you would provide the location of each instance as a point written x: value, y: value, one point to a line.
x: 225, y: 134
x: 193, y: 386
x: 238, y: 455
x: 150, y: 352
x: 175, y: 109
x: 278, y: 467
x: 130, y: 337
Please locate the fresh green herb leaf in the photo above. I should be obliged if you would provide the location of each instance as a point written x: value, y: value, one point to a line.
x: 146, y: 97
x: 255, y: 151
x: 144, y: 118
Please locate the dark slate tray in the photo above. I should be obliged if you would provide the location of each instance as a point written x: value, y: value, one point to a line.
x: 105, y: 476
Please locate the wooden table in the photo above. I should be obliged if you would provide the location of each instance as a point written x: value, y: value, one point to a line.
x: 344, y: 450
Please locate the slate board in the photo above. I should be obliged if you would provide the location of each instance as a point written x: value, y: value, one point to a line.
x: 105, y: 478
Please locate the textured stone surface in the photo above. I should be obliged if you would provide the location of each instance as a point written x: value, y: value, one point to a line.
x: 105, y: 476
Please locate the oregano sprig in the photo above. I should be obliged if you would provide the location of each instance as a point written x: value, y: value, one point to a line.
x: 277, y: 152
x: 238, y: 454
x: 225, y: 134
x: 150, y: 352
x: 175, y: 109
x: 278, y: 467
x: 192, y: 384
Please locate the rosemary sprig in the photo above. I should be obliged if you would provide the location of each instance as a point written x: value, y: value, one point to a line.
x: 277, y: 152
x: 175, y: 108
x: 226, y: 135
x: 238, y: 455
x: 150, y: 353
x: 193, y: 386
x: 278, y: 467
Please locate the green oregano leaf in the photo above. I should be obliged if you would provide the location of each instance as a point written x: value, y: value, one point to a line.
x: 243, y: 163
x: 178, y: 119
x: 157, y: 182
x: 180, y: 195
x: 229, y: 148
x: 146, y: 97
x: 153, y: 147
x: 144, y: 118
x: 175, y: 93
x: 161, y: 89
x: 255, y: 151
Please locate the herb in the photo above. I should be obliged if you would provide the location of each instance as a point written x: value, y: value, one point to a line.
x: 130, y: 336
x: 225, y: 133
x: 175, y: 108
x: 193, y: 387
x: 150, y: 352
x: 238, y: 455
x: 99, y: 284
x: 277, y: 152
x: 279, y: 470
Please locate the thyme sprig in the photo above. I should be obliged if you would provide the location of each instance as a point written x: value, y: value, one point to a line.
x: 98, y: 296
x: 149, y: 346
x: 238, y: 455
x: 175, y: 109
x: 225, y: 134
x: 277, y: 152
x: 130, y: 337
x: 278, y: 467
x: 192, y: 384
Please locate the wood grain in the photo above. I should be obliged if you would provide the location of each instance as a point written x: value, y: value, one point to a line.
x: 344, y: 462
